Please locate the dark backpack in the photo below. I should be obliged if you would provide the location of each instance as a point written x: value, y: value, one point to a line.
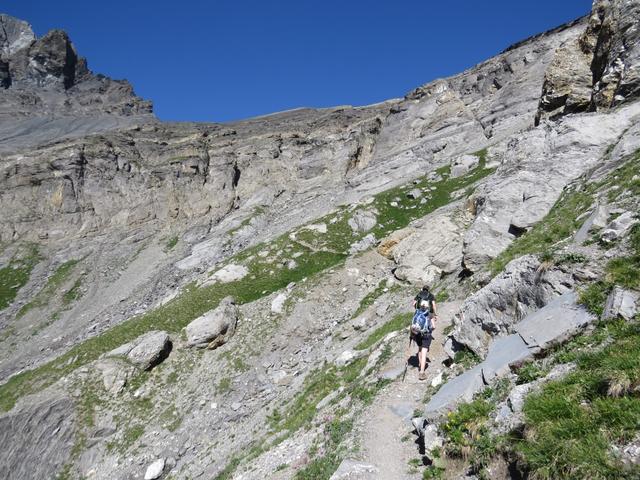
x: 424, y: 296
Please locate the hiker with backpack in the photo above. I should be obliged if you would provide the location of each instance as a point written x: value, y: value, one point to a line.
x: 423, y: 325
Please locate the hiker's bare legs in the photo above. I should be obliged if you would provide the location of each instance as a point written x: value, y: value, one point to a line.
x: 422, y: 359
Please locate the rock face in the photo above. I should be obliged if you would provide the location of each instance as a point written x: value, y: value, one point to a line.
x: 214, y: 328
x: 521, y: 289
x: 428, y: 249
x: 45, y: 77
x: 558, y: 320
x: 599, y: 69
x: 44, y: 431
x: 621, y: 303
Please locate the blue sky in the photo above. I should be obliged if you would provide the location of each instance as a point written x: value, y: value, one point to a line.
x: 221, y: 60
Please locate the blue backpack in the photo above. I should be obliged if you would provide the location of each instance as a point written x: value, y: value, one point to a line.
x: 421, y: 323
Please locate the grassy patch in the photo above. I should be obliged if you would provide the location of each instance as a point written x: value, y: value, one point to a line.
x: 15, y: 275
x: 370, y: 297
x: 323, y: 467
x: 171, y: 243
x: 625, y: 271
x: 398, y: 322
x: 571, y: 424
x: 560, y: 223
x: 55, y: 281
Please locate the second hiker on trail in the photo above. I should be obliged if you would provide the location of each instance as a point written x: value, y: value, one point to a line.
x: 422, y: 326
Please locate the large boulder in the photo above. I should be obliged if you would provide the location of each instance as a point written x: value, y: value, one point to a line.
x: 427, y: 250
x: 362, y: 221
x: 214, y: 328
x: 146, y: 351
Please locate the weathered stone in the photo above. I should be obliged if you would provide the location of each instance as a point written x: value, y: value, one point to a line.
x: 230, y: 273
x: 349, y: 356
x: 431, y: 439
x: 363, y: 244
x: 277, y: 304
x: 461, y: 165
x: 150, y: 349
x: 414, y: 193
x: 619, y: 227
x: 620, y: 303
x: 362, y: 220
x: 520, y: 289
x: 214, y: 328
x: 146, y: 351
x: 115, y: 374
x: 597, y: 219
x: 457, y: 390
x: 155, y: 470
x: 503, y: 353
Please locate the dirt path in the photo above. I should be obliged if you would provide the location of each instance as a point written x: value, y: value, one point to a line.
x: 386, y: 440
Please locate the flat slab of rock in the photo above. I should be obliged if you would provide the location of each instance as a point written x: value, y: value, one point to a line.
x: 146, y: 351
x: 230, y: 273
x: 213, y: 328
x: 554, y: 323
x: 362, y: 221
x: 459, y: 389
x: 503, y: 353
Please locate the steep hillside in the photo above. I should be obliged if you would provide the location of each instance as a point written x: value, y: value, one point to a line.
x: 231, y: 300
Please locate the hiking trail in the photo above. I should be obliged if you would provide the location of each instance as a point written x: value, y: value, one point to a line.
x: 387, y: 441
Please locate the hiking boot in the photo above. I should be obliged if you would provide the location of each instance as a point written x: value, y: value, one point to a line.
x: 422, y: 376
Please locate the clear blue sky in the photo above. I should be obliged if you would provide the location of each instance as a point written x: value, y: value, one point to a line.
x: 220, y: 60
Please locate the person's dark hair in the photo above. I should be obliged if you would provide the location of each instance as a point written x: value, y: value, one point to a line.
x: 425, y: 288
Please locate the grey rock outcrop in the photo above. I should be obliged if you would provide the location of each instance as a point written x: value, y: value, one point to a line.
x: 621, y: 303
x: 214, y: 328
x: 363, y: 220
x: 619, y: 227
x: 520, y: 289
x: 599, y: 69
x: 43, y: 430
x: 424, y: 251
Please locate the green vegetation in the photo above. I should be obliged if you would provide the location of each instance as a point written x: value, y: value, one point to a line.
x: 323, y: 467
x: 398, y: 322
x: 594, y: 297
x: 369, y: 298
x: 467, y: 434
x: 53, y: 283
x: 171, y: 243
x: 466, y: 358
x: 73, y: 293
x: 15, y: 275
x: 625, y: 271
x: 224, y: 385
x: 571, y: 424
x: 529, y: 372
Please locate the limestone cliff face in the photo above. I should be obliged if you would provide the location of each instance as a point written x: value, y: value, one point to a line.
x: 599, y: 69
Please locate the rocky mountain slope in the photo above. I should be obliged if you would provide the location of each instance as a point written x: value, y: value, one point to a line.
x: 231, y: 300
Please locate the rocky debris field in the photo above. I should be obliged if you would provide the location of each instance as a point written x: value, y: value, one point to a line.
x: 232, y: 301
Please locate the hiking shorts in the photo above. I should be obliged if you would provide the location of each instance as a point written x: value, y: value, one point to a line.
x: 423, y: 340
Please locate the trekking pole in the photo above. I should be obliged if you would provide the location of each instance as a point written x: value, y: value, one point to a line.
x: 406, y: 363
